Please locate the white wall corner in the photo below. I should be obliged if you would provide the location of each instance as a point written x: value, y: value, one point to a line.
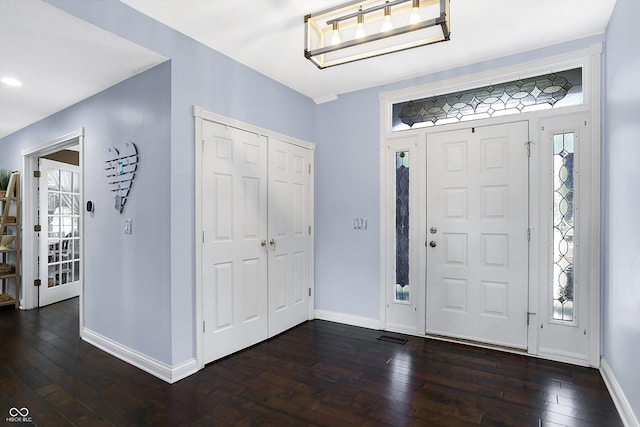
x: 347, y: 319
x: 183, y: 370
x: 625, y: 410
x: 168, y: 373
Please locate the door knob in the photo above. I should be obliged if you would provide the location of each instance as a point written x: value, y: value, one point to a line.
x: 433, y: 243
x: 433, y: 230
x: 263, y: 243
x: 272, y: 242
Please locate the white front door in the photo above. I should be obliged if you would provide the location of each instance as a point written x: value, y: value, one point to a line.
x: 289, y: 235
x: 235, y: 249
x: 477, y: 228
x: 59, y: 207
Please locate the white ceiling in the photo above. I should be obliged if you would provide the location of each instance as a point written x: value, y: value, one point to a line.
x: 62, y: 59
x: 268, y: 36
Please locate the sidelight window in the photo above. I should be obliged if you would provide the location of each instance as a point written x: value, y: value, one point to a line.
x: 402, y: 226
x: 563, y: 227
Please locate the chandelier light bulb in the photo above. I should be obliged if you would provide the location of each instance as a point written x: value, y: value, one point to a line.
x: 360, y: 32
x: 386, y: 22
x: 335, y: 34
x: 414, y: 18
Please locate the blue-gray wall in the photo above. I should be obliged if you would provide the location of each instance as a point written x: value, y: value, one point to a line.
x: 200, y: 76
x: 127, y: 288
x: 621, y: 321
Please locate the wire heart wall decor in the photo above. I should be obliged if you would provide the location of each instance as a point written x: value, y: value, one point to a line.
x: 120, y: 169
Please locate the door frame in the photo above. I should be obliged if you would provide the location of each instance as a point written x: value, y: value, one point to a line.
x: 31, y: 202
x: 590, y: 60
x: 200, y: 115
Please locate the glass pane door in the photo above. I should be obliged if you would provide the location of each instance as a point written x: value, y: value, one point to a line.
x: 60, y: 236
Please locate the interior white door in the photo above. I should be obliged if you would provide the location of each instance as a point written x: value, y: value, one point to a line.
x: 477, y: 228
x: 59, y: 243
x: 234, y: 249
x: 289, y: 235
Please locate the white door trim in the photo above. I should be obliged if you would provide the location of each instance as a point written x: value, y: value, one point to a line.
x: 200, y: 114
x: 590, y: 61
x: 30, y: 200
x: 587, y: 58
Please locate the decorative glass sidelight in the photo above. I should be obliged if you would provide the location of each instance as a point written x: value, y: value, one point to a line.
x: 563, y: 227
x: 547, y: 91
x: 402, y: 226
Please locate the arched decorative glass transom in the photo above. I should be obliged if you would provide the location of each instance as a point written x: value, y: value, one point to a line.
x: 535, y: 93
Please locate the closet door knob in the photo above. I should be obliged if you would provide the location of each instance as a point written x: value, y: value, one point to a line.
x: 263, y: 243
x: 272, y: 242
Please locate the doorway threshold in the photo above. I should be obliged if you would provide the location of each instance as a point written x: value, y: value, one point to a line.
x: 479, y: 344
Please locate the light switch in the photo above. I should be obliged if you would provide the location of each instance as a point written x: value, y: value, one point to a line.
x: 360, y: 223
x: 127, y: 226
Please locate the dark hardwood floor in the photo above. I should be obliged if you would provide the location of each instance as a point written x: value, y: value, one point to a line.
x: 319, y: 373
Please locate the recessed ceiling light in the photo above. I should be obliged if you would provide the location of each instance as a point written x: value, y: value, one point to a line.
x: 10, y: 81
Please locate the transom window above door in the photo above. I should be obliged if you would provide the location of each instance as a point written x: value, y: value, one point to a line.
x: 553, y: 90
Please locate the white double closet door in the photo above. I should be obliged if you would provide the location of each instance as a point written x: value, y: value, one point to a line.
x: 255, y: 201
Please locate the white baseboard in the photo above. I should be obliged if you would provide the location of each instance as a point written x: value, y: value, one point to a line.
x: 348, y: 319
x: 165, y: 372
x: 625, y: 410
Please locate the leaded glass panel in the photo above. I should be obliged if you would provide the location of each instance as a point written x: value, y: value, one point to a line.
x: 535, y: 93
x: 402, y: 226
x: 563, y: 227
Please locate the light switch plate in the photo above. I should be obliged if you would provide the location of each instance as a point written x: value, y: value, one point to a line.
x: 360, y: 223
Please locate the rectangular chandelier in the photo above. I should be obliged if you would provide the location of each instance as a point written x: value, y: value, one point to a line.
x: 368, y: 28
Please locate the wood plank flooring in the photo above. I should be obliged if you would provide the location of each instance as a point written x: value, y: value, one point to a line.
x: 319, y: 373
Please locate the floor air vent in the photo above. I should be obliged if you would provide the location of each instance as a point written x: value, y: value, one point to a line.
x: 389, y: 338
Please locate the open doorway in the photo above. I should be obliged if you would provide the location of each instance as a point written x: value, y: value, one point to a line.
x: 53, y: 200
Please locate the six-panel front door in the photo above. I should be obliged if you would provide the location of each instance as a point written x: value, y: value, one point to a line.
x: 477, y: 226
